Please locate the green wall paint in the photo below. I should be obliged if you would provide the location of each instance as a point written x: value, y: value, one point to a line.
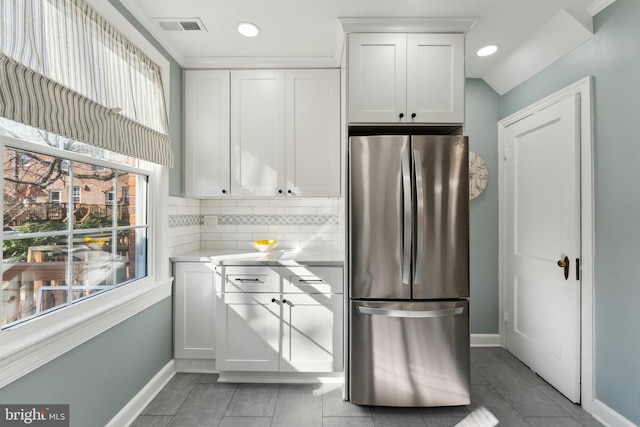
x: 481, y: 117
x: 612, y: 56
x: 99, y: 377
x: 175, y: 101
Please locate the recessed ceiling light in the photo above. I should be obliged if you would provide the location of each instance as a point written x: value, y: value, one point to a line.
x: 487, y: 50
x: 248, y: 29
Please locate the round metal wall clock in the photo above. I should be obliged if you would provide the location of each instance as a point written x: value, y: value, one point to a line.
x: 478, y: 175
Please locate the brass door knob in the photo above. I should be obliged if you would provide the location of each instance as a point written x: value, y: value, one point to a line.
x: 564, y: 264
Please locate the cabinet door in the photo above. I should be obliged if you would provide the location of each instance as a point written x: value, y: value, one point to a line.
x: 377, y: 78
x: 248, y: 331
x: 435, y: 78
x: 194, y: 311
x: 257, y: 133
x: 312, y: 333
x: 206, y: 103
x: 313, y: 133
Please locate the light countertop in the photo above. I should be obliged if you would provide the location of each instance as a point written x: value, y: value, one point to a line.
x: 252, y: 257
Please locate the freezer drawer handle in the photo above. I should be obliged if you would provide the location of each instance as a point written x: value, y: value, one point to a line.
x: 409, y: 313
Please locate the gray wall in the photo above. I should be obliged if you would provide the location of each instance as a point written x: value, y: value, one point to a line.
x: 175, y: 102
x: 481, y: 118
x: 612, y: 56
x: 101, y: 376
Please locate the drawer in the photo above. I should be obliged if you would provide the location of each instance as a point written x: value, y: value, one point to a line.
x: 324, y: 280
x: 250, y: 279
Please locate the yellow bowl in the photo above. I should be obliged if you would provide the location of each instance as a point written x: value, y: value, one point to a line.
x: 265, y: 247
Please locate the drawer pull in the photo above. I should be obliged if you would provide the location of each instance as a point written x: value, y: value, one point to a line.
x: 238, y: 279
x: 310, y: 281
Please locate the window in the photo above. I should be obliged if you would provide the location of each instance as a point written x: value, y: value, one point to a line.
x: 125, y: 195
x: 26, y: 346
x: 76, y: 194
x: 54, y: 196
x: 56, y: 253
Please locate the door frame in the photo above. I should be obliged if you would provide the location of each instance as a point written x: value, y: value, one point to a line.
x: 584, y: 89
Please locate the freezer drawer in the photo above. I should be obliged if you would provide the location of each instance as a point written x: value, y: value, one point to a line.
x: 409, y: 353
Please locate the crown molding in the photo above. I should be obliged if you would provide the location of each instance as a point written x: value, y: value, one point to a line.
x: 261, y: 62
x: 407, y: 25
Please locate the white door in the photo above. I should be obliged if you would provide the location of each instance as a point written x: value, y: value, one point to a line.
x: 257, y: 133
x: 206, y: 133
x: 377, y: 78
x: 542, y: 189
x: 313, y: 133
x: 248, y: 332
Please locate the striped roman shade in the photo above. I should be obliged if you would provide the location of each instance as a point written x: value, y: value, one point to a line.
x: 65, y: 69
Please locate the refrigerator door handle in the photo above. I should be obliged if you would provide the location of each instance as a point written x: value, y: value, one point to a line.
x: 410, y: 313
x: 417, y: 165
x: 406, y: 194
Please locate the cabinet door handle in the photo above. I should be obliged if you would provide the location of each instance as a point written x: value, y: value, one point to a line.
x: 401, y: 115
x: 289, y: 191
x: 413, y: 115
x: 280, y: 191
x: 224, y: 191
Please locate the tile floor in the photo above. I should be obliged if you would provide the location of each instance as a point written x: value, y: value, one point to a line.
x: 499, y: 382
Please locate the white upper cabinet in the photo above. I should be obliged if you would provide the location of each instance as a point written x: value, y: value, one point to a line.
x: 206, y: 112
x: 406, y: 78
x: 262, y: 133
x: 377, y: 77
x: 313, y: 133
x: 257, y: 132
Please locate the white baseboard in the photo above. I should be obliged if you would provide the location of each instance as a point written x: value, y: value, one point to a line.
x: 486, y: 340
x: 130, y: 412
x: 608, y: 416
x: 201, y: 366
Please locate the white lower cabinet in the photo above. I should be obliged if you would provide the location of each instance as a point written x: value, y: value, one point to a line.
x: 311, y: 333
x: 194, y: 311
x: 248, y: 327
x: 280, y: 331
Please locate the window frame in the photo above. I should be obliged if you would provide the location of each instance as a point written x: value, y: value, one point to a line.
x: 30, y: 346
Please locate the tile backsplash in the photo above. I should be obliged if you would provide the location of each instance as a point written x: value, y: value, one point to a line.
x: 233, y: 223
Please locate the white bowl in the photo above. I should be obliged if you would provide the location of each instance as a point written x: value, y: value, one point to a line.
x: 265, y: 247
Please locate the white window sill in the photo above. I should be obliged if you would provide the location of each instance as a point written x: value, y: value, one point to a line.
x: 29, y: 345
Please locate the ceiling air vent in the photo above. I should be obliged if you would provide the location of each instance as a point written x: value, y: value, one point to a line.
x: 180, y: 24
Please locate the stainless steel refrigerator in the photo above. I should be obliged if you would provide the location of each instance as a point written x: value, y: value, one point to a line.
x: 409, y: 270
